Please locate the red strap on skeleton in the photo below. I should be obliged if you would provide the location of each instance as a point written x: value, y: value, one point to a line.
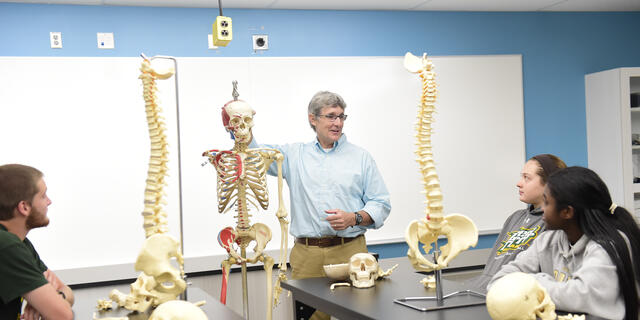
x: 226, y: 238
x: 238, y: 163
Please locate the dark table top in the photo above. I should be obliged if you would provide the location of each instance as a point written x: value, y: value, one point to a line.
x: 86, y: 302
x: 378, y: 302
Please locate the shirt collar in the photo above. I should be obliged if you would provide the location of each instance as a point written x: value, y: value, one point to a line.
x: 535, y: 211
x: 340, y: 142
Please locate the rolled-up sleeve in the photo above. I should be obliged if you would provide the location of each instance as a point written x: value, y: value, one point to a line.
x: 376, y: 196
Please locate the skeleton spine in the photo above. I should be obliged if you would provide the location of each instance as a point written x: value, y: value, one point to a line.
x: 155, y: 218
x: 423, y: 136
x: 242, y: 208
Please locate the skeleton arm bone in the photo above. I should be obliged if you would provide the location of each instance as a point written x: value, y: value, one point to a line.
x: 270, y: 155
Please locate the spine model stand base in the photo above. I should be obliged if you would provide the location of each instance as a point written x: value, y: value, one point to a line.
x: 242, y: 182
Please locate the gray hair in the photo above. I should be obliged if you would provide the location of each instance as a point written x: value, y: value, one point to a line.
x: 324, y: 99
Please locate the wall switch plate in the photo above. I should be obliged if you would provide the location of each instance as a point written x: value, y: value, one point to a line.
x: 260, y: 42
x: 56, y: 40
x: 211, y: 46
x: 105, y: 40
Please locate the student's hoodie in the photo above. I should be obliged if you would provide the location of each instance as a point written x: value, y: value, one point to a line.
x: 579, y: 278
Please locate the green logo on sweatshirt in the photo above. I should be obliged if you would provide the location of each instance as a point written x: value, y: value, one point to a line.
x: 518, y: 238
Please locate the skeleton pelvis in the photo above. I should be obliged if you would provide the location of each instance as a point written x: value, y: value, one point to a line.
x: 460, y: 231
x: 258, y: 232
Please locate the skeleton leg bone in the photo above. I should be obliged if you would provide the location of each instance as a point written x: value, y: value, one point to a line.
x: 226, y: 268
x: 268, y: 267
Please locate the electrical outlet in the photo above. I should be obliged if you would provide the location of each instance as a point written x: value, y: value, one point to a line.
x: 105, y: 40
x: 56, y: 40
x: 260, y: 42
x: 211, y: 46
x: 222, y: 32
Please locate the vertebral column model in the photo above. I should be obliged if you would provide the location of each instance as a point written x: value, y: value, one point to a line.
x: 159, y: 281
x: 242, y: 182
x: 460, y: 231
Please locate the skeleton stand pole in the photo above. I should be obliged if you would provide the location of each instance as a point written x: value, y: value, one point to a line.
x: 440, y: 298
x: 245, y: 289
x: 438, y: 273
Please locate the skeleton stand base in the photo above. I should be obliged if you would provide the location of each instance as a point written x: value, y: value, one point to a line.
x: 441, y: 303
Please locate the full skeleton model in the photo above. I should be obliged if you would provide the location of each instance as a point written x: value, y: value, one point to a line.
x: 241, y: 183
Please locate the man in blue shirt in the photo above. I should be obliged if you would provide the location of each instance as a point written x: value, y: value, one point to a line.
x: 336, y: 191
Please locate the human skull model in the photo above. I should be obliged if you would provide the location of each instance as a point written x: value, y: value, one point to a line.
x: 519, y: 296
x: 237, y: 117
x: 178, y: 310
x: 363, y: 270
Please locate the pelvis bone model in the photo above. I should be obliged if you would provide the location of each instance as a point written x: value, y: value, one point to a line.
x: 159, y: 281
x: 242, y: 180
x: 460, y: 231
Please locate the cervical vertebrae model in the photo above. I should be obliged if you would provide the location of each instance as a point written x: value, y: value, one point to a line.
x: 159, y: 281
x: 460, y: 230
x: 241, y: 180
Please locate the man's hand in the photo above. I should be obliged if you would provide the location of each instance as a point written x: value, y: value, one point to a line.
x: 340, y: 220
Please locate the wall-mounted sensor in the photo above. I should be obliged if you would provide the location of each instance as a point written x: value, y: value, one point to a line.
x: 260, y: 42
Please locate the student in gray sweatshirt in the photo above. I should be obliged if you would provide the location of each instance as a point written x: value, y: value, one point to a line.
x: 585, y: 258
x: 524, y: 225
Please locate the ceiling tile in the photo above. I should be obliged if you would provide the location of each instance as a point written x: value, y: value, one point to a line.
x: 420, y: 5
x: 486, y: 5
x: 346, y: 4
x: 78, y: 2
x: 191, y: 3
x: 596, y: 5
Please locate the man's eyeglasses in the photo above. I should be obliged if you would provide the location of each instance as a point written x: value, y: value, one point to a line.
x: 333, y: 117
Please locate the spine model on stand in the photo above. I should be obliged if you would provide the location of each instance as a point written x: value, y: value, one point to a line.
x: 159, y: 281
x: 460, y: 231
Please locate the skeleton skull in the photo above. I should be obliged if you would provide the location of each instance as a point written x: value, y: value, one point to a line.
x: 237, y: 117
x: 363, y: 270
x: 518, y: 296
x: 178, y: 310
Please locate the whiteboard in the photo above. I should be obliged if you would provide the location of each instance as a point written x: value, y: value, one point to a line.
x: 82, y: 122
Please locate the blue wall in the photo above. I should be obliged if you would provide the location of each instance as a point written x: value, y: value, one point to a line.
x: 558, y: 49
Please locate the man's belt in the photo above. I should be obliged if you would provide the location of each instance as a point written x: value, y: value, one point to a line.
x: 325, y: 241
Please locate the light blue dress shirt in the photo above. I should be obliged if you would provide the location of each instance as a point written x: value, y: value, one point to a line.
x: 345, y: 177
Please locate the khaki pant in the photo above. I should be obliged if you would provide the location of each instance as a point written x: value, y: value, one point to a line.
x: 307, y: 261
